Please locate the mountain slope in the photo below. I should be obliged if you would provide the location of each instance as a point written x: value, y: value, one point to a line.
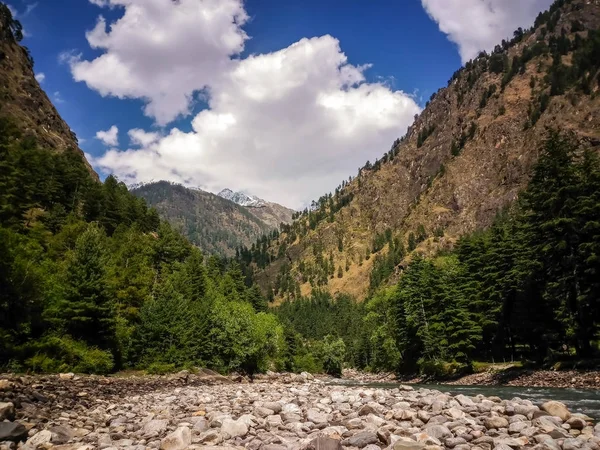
x: 273, y: 214
x: 213, y: 223
x: 23, y: 100
x: 465, y: 158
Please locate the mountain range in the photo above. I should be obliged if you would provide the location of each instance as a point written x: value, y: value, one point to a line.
x: 465, y: 159
x: 217, y: 224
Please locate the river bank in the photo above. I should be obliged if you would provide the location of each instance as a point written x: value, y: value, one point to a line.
x: 507, y: 376
x: 188, y: 411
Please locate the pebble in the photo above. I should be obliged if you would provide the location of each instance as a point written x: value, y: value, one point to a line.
x: 298, y: 412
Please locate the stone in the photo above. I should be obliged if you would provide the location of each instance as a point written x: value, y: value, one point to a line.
x: 557, y: 409
x: 273, y: 406
x: 577, y: 423
x: 12, y: 431
x: 453, y: 442
x: 7, y: 411
x: 361, y: 439
x: 233, y: 428
x: 61, y: 434
x: 517, y: 427
x: 495, y: 422
x: 179, y: 439
x: 274, y: 421
x: 323, y: 443
x: 5, y: 385
x: 316, y: 416
x: 408, y: 444
x: 67, y: 376
x: 263, y: 412
x: 437, y: 431
x: 464, y: 400
x: 40, y: 438
x: 200, y: 425
x: 155, y: 427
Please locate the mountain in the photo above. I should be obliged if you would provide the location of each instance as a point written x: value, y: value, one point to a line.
x: 273, y: 214
x: 23, y: 100
x: 242, y: 199
x: 466, y: 158
x: 215, y: 224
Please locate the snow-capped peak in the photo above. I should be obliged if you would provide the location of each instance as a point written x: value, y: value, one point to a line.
x: 242, y: 199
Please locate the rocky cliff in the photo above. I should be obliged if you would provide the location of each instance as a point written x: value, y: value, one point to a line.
x: 21, y: 97
x: 464, y: 159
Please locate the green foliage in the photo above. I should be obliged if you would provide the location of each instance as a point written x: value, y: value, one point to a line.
x: 333, y: 353
x: 62, y: 354
x: 92, y: 281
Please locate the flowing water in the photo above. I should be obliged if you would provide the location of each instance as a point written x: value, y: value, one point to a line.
x: 586, y: 401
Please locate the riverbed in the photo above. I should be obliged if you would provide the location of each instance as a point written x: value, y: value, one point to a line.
x: 586, y: 401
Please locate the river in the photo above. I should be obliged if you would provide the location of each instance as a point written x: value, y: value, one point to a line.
x: 586, y: 401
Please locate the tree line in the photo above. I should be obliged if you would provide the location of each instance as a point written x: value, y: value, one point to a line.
x: 526, y: 289
x: 91, y: 280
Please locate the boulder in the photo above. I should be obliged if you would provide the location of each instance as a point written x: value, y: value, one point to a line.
x: 577, y: 423
x: 323, y: 443
x: 495, y: 422
x: 557, y: 409
x: 315, y: 416
x: 233, y: 428
x: 179, y: 439
x: 408, y: 444
x: 7, y: 411
x: 361, y: 439
x: 12, y: 431
x: 154, y: 427
x: 40, y: 438
x: 438, y: 431
x: 61, y: 434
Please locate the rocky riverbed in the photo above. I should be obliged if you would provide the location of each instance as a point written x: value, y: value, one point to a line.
x: 295, y: 412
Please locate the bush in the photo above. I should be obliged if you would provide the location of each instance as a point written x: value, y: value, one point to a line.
x: 306, y: 363
x: 63, y: 354
x: 158, y: 368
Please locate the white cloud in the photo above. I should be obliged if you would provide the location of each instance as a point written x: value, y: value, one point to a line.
x: 109, y: 137
x: 40, y: 77
x: 141, y: 138
x: 162, y: 51
x: 287, y: 126
x: 57, y: 97
x: 476, y: 25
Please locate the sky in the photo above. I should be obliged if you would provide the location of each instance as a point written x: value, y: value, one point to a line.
x: 280, y: 99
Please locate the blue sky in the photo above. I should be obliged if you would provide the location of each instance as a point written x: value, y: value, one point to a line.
x: 287, y: 123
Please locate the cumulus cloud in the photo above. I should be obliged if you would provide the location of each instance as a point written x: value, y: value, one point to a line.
x: 109, y: 137
x: 287, y: 126
x: 476, y: 25
x: 162, y: 51
x: 40, y: 77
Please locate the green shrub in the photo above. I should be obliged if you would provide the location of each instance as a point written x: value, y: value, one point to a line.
x: 63, y: 354
x: 306, y: 363
x: 158, y: 368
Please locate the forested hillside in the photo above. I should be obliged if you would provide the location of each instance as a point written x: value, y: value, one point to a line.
x: 91, y: 280
x: 464, y: 160
x: 214, y: 224
x: 528, y: 288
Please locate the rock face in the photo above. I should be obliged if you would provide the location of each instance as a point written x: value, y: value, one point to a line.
x: 177, y: 413
x: 24, y: 100
x: 423, y: 182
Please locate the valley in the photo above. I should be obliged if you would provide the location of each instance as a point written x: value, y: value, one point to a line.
x: 155, y: 315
